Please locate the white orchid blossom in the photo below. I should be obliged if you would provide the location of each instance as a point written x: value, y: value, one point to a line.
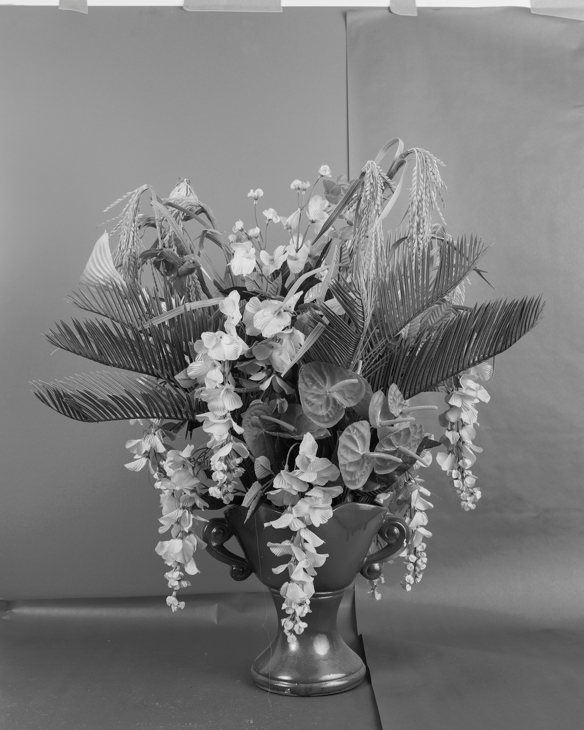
x: 220, y: 346
x: 244, y: 258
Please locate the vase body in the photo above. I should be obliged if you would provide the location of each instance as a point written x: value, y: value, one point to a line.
x: 320, y: 662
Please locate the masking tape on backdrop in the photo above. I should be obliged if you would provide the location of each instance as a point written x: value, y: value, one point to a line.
x: 239, y: 6
x: 403, y: 7
x: 573, y: 9
x: 79, y: 6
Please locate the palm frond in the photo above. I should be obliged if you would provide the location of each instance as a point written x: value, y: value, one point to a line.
x: 129, y: 305
x: 161, y: 351
x: 105, y: 396
x: 118, y: 347
x: 471, y: 337
x: 342, y: 333
x: 410, y: 283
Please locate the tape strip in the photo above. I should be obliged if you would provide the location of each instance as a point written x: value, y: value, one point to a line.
x: 235, y: 6
x: 79, y: 6
x: 403, y: 7
x: 573, y: 9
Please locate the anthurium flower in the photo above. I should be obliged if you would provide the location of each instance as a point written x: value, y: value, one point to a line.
x: 220, y: 346
x: 244, y: 258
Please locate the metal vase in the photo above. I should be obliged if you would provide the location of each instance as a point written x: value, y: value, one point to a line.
x: 320, y: 662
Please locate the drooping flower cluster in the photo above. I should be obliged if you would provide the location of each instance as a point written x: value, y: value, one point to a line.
x: 417, y: 519
x: 302, y: 512
x: 460, y: 420
x: 178, y: 488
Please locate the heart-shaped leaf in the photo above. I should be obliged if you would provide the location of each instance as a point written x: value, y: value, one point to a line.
x: 362, y: 407
x: 395, y: 400
x: 379, y: 409
x: 409, y: 437
x: 354, y: 460
x: 256, y: 432
x: 295, y: 416
x: 326, y: 390
x: 385, y: 448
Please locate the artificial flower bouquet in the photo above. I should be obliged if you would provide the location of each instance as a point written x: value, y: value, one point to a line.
x: 298, y: 361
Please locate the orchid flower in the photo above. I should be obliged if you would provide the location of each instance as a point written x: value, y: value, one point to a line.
x: 298, y: 253
x: 273, y: 262
x: 220, y: 345
x: 206, y: 370
x: 244, y: 258
x: 230, y: 308
x: 271, y: 215
x: 291, y: 223
x: 271, y: 316
x: 315, y: 212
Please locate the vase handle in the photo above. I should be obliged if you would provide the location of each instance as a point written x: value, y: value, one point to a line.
x: 396, y: 533
x: 215, y: 533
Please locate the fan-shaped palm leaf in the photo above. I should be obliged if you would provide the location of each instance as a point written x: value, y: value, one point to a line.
x: 471, y: 337
x: 342, y: 332
x: 128, y: 305
x: 409, y: 283
x: 105, y: 396
x: 159, y: 352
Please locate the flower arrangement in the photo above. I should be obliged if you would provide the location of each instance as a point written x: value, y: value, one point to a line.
x: 298, y: 362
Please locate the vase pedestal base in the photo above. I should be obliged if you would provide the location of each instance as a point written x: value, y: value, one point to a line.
x: 318, y: 663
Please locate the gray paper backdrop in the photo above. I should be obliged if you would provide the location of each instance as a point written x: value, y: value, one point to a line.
x: 493, y: 635
x: 93, y: 106
x: 498, y: 96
